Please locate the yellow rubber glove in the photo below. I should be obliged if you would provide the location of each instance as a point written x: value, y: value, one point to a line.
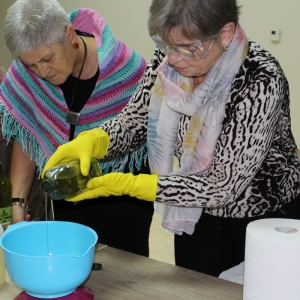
x: 141, y: 186
x: 88, y: 144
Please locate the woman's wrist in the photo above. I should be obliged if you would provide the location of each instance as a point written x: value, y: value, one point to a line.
x: 23, y: 202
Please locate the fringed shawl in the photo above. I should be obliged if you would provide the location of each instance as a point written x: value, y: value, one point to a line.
x: 33, y: 111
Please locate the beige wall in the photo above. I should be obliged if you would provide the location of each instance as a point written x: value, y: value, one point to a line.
x: 5, y: 57
x: 258, y: 18
x: 128, y: 20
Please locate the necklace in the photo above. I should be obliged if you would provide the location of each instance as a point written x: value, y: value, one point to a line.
x: 71, y: 116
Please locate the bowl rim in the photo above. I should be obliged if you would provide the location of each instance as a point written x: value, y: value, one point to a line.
x: 20, y: 225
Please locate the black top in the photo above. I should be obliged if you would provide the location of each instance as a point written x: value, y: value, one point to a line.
x: 82, y: 92
x: 81, y: 89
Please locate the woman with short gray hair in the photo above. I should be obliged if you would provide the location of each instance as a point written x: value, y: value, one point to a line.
x: 219, y: 102
x: 69, y: 75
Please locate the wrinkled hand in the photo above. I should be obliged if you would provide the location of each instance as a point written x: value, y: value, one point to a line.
x: 88, y: 144
x: 141, y: 186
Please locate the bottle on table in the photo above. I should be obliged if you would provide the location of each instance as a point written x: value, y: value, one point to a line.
x: 65, y: 180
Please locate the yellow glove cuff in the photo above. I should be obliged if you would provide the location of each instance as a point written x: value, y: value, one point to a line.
x: 145, y: 187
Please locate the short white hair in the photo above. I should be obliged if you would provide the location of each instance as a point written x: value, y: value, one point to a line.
x: 31, y: 23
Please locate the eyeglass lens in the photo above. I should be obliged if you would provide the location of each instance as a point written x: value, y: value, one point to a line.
x: 201, y: 49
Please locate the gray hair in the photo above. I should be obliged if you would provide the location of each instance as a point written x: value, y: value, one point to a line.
x: 32, y: 23
x: 196, y: 19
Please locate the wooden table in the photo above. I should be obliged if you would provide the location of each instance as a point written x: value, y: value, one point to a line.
x: 128, y: 276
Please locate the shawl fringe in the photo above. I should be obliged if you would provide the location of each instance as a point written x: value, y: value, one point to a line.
x: 13, y: 131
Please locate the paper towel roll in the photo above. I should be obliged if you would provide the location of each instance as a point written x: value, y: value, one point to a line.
x: 272, y: 260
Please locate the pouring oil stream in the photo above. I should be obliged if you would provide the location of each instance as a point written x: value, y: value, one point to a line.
x: 46, y: 218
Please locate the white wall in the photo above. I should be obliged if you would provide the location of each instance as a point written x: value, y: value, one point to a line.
x: 258, y: 18
x: 128, y: 21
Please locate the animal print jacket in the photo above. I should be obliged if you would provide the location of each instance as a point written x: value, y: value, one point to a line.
x: 255, y: 169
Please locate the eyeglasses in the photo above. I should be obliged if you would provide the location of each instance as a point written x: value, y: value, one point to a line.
x: 187, y: 52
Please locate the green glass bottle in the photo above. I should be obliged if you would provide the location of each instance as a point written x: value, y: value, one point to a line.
x: 5, y: 200
x: 65, y: 180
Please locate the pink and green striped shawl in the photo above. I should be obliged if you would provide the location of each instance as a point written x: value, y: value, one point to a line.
x: 33, y: 111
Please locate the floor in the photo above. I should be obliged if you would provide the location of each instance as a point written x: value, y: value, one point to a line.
x: 161, y: 242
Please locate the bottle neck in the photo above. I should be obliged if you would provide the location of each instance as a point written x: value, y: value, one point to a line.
x: 48, y: 185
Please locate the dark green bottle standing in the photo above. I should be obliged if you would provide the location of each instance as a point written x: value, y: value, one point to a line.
x: 5, y: 200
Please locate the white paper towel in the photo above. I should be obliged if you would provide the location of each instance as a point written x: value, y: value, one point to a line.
x: 272, y: 260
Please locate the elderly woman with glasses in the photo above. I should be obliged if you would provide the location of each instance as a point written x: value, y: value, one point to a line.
x: 70, y: 75
x: 219, y: 103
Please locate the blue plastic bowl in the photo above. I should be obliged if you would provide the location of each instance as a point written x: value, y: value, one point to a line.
x: 48, y: 259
